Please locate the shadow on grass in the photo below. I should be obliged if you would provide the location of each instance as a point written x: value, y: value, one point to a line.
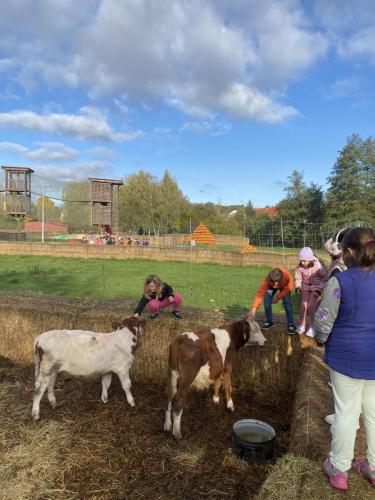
x: 234, y: 310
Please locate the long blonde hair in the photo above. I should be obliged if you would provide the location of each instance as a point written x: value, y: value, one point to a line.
x: 152, y: 278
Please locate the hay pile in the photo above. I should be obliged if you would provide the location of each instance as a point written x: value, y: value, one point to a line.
x: 299, y: 478
x: 90, y: 450
x: 298, y: 475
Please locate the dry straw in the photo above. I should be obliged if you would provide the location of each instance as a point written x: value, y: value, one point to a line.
x: 85, y: 449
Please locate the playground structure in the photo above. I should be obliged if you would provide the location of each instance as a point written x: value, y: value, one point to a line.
x: 17, y: 191
x: 104, y: 203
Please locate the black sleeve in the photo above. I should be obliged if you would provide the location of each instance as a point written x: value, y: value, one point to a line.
x: 167, y: 291
x: 141, y: 305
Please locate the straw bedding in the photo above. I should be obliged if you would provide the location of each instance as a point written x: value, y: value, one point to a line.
x: 85, y: 449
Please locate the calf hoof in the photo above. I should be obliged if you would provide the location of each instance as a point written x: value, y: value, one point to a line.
x: 35, y: 415
x: 230, y: 405
x: 177, y: 435
x: 104, y: 400
x: 131, y: 403
x: 216, y: 400
x: 167, y: 426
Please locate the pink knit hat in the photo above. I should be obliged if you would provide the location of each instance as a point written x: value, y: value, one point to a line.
x: 306, y: 254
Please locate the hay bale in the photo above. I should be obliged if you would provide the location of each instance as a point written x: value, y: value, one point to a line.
x: 299, y: 478
x: 310, y: 434
x: 32, y: 457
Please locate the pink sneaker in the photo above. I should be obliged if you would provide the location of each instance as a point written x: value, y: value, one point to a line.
x: 300, y: 329
x: 362, y: 466
x: 338, y: 479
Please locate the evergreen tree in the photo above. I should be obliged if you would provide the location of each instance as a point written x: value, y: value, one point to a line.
x: 303, y: 203
x: 350, y: 196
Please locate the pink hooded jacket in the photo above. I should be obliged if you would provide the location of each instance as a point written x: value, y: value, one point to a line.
x: 311, y: 278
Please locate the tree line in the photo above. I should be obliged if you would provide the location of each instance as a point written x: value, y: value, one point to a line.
x: 152, y: 206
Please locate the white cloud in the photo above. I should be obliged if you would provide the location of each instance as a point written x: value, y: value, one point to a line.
x: 208, y: 188
x: 103, y: 153
x: 88, y: 125
x: 201, y: 56
x: 345, y: 87
x: 245, y: 102
x: 210, y: 127
x: 48, y: 151
x: 350, y: 27
x: 80, y: 172
x: 14, y: 148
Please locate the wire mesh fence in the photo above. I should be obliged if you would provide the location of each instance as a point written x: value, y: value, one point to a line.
x: 65, y: 214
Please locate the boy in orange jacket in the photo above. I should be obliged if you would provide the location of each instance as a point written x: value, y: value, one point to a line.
x: 276, y: 286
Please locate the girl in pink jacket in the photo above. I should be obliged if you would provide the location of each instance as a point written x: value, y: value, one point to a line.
x: 310, y: 279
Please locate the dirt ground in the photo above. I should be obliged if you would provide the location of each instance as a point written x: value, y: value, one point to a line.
x: 86, y: 449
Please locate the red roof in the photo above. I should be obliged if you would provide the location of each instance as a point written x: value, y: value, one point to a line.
x: 35, y: 226
x: 270, y: 211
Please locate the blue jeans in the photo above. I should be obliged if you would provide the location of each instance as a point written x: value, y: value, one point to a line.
x: 287, y: 301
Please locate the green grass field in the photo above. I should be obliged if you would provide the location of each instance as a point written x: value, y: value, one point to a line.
x: 228, y: 288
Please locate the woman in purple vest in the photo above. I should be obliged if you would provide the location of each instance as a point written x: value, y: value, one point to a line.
x: 345, y: 322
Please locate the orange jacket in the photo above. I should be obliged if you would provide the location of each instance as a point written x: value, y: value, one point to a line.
x: 285, y: 286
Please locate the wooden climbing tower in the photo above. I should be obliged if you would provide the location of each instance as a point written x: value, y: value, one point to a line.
x: 17, y: 191
x: 104, y: 203
x: 202, y: 235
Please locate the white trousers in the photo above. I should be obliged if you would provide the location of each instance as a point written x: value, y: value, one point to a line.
x: 351, y: 396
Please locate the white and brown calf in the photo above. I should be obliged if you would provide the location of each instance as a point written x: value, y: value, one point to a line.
x: 85, y: 354
x: 202, y: 358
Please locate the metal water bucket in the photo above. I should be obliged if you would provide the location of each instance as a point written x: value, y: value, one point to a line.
x: 253, y: 440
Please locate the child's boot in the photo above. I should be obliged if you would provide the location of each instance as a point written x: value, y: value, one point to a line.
x: 362, y: 466
x: 338, y: 479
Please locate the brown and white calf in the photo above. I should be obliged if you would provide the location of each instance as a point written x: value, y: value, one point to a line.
x: 202, y: 358
x: 85, y: 354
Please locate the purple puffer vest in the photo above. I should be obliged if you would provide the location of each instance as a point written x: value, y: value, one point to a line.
x: 350, y: 348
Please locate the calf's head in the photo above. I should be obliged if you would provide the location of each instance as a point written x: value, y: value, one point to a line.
x: 256, y: 336
x: 134, y: 324
x: 248, y: 332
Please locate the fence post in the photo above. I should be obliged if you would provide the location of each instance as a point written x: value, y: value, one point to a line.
x: 282, y: 239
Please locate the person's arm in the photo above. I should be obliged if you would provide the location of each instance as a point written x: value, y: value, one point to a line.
x: 259, y: 296
x: 328, y: 309
x: 298, y: 278
x: 287, y: 288
x: 168, y: 292
x: 141, y: 305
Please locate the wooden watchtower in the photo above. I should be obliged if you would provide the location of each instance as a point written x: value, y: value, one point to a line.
x: 17, y: 191
x: 104, y: 203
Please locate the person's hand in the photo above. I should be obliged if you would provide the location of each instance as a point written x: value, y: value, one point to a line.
x: 252, y: 313
x: 298, y: 291
x: 171, y: 299
x: 136, y: 315
x: 275, y: 300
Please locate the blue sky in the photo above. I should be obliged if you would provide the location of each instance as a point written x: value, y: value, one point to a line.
x: 229, y: 96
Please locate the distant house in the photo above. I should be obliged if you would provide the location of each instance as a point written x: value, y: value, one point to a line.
x: 49, y: 227
x: 270, y: 211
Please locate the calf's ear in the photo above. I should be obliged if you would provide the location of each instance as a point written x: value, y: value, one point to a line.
x: 142, y: 322
x: 116, y: 325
